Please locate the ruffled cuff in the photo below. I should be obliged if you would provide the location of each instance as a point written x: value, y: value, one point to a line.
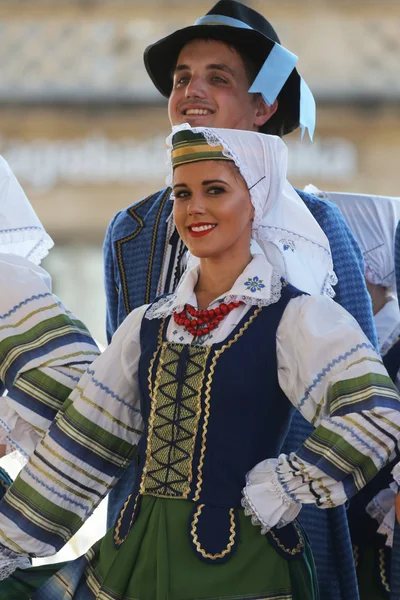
x: 265, y: 500
x: 382, y: 509
x: 10, y: 561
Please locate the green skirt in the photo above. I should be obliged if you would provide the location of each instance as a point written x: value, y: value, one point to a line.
x: 157, y: 562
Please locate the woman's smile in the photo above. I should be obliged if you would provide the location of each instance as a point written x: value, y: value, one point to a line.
x: 201, y: 229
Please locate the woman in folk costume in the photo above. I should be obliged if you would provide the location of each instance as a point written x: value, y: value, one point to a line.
x: 44, y: 349
x: 202, y: 398
x: 373, y: 220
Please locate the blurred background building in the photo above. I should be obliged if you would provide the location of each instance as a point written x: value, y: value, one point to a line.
x: 83, y: 128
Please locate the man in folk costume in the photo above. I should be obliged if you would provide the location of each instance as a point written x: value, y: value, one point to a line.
x: 230, y: 70
x: 373, y: 220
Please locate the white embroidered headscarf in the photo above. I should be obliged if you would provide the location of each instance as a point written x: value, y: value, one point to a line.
x: 283, y: 228
x: 21, y: 232
x: 373, y: 220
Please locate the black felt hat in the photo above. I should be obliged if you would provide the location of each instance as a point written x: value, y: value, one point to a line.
x: 257, y: 41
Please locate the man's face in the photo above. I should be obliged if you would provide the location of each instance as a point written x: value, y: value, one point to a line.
x: 210, y: 86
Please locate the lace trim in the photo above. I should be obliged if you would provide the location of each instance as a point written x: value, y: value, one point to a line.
x: 330, y: 281
x: 251, y: 511
x: 390, y: 341
x: 13, y: 450
x: 10, y: 561
x: 376, y: 511
x: 161, y: 308
x: 165, y: 306
x: 25, y: 234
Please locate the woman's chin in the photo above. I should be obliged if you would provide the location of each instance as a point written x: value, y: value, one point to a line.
x: 200, y: 253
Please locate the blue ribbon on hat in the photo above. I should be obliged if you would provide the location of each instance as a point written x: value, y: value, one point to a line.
x: 273, y: 74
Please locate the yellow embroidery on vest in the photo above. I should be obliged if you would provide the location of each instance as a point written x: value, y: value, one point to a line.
x: 153, y: 245
x: 119, y: 244
x: 291, y: 551
x: 173, y: 422
x: 117, y: 539
x: 193, y: 532
x: 208, y: 399
x: 382, y: 570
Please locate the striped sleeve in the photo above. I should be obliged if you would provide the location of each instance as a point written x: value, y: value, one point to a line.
x: 332, y: 374
x: 86, y: 450
x: 44, y: 350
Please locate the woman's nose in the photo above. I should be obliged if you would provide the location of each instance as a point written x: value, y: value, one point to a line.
x: 195, y: 206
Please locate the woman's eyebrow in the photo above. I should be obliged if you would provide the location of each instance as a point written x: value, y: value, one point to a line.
x: 208, y: 181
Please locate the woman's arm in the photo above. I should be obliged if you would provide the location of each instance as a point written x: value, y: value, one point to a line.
x: 44, y: 351
x: 331, y: 373
x: 87, y: 449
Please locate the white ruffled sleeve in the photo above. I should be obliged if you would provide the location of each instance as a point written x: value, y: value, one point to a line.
x: 332, y: 374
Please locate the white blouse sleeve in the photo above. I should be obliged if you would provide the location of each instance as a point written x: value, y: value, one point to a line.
x: 332, y: 374
x: 86, y: 450
x: 44, y: 351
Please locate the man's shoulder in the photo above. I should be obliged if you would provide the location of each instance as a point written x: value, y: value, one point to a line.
x: 322, y: 209
x: 138, y: 211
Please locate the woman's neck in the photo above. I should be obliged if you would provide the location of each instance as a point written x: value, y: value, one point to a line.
x: 217, y: 276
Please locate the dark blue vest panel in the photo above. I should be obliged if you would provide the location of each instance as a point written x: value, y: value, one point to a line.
x: 212, y: 413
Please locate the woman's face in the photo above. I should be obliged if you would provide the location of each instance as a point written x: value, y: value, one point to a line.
x: 212, y: 209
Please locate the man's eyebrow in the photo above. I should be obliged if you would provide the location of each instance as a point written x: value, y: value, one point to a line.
x: 221, y: 67
x: 211, y: 67
x: 181, y: 68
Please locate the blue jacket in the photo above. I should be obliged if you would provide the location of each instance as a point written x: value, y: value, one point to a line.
x: 133, y: 255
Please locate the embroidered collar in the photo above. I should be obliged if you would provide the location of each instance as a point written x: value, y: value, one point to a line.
x: 387, y: 323
x: 259, y: 284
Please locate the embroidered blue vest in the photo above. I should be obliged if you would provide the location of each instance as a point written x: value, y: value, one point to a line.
x: 212, y: 413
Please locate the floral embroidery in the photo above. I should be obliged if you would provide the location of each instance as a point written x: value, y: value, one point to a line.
x: 255, y: 284
x: 287, y: 245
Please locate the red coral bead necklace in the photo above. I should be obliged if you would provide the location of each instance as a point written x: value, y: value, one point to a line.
x: 201, y: 322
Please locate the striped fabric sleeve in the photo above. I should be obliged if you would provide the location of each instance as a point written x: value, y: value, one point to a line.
x: 86, y: 450
x: 44, y: 350
x: 341, y: 386
x: 332, y: 374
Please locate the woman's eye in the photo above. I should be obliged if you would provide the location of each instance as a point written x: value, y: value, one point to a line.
x: 181, y: 194
x: 216, y: 190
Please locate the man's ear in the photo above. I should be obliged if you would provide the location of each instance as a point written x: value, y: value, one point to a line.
x: 263, y: 112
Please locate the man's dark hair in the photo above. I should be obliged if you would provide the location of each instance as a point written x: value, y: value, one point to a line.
x: 252, y: 67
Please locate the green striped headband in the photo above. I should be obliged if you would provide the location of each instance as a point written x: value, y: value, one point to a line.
x: 189, y: 147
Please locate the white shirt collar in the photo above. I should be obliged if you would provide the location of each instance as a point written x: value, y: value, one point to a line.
x: 387, y: 323
x: 259, y: 284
